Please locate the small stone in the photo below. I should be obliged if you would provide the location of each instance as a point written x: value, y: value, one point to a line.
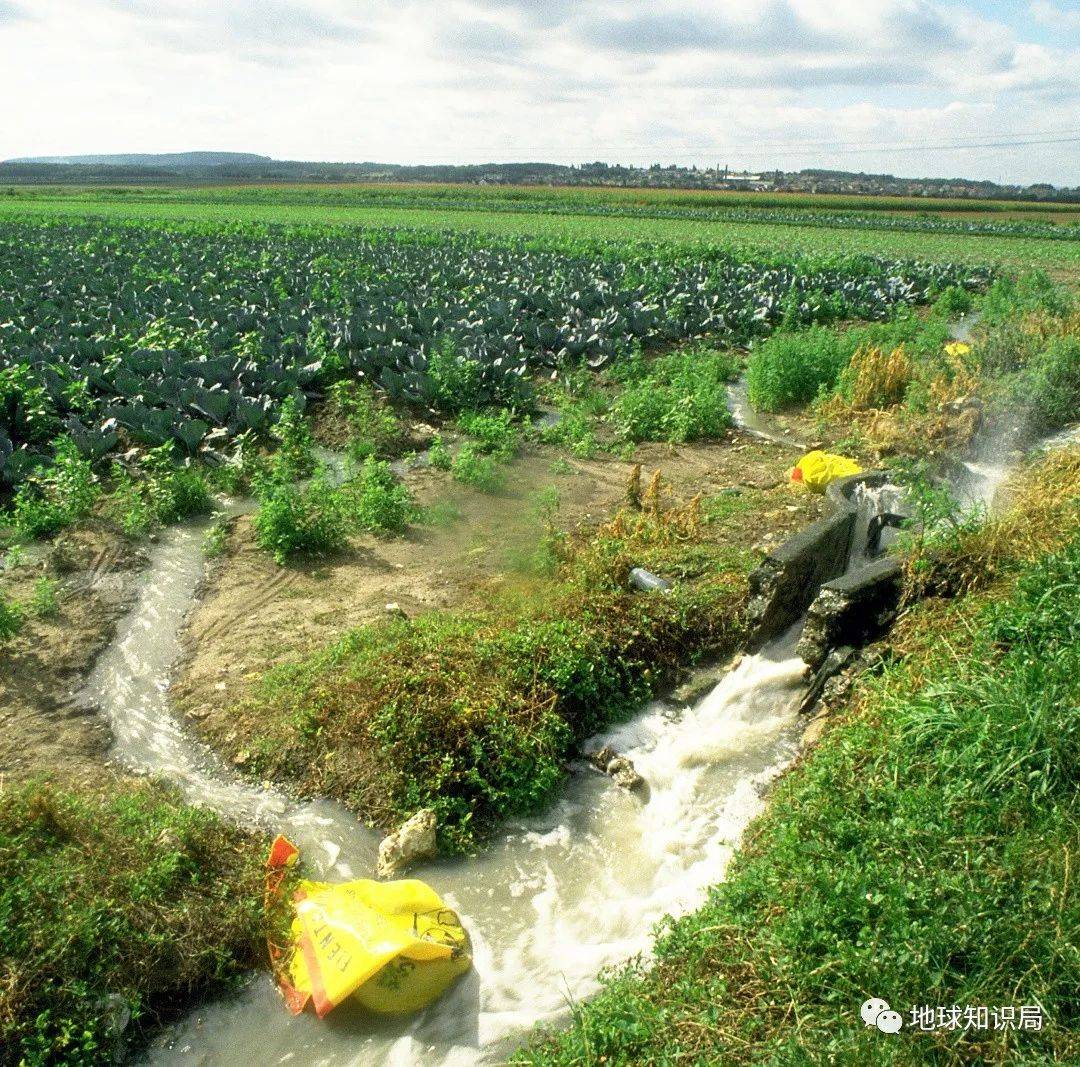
x: 220, y: 687
x: 413, y: 840
x: 241, y: 758
x: 602, y: 757
x: 622, y: 773
x: 396, y: 610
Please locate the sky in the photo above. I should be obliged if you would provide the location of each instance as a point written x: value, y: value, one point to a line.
x: 983, y: 89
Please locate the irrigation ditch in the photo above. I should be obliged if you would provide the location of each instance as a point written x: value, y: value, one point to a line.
x: 553, y: 899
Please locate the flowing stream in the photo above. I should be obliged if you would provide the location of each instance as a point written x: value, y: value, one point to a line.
x: 548, y: 904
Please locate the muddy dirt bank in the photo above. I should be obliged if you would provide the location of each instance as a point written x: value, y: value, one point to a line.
x: 44, y: 730
x: 253, y: 614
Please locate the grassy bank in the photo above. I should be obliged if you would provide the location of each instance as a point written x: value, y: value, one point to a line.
x: 473, y: 711
x: 922, y: 853
x: 119, y: 909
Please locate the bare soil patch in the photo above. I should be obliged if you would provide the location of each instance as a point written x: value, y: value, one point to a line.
x: 44, y: 730
x: 254, y: 614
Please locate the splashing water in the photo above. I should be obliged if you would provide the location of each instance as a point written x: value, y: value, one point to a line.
x: 553, y: 901
x: 557, y: 898
x: 549, y: 903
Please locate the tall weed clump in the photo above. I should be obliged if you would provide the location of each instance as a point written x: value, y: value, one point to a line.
x: 379, y: 502
x: 11, y: 619
x: 294, y: 456
x: 1044, y: 395
x: 792, y: 368
x: 678, y: 397
x: 294, y: 518
x: 374, y: 429
x: 57, y: 495
x: 158, y: 492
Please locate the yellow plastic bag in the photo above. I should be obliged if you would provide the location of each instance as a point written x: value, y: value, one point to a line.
x: 816, y: 469
x: 393, y: 946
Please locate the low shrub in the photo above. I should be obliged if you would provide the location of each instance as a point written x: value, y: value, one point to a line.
x: 495, y: 433
x: 294, y: 456
x: 1045, y: 394
x: 439, y: 454
x: 57, y: 495
x: 796, y: 367
x: 379, y: 502
x: 160, y: 492
x: 374, y: 429
x: 575, y: 431
x: 792, y: 368
x: 174, y: 492
x: 217, y: 538
x: 123, y: 902
x: 471, y: 466
x: 294, y: 518
x: 678, y: 397
x: 44, y: 602
x: 11, y: 619
x: 460, y: 383
x: 1031, y: 293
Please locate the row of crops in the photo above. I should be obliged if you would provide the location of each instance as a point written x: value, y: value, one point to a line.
x: 559, y: 203
x: 140, y: 334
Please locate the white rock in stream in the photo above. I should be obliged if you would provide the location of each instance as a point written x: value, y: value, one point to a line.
x: 413, y: 840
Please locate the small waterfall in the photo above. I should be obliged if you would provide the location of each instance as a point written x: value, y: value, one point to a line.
x: 879, y: 511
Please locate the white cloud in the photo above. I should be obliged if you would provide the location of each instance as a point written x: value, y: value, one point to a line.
x: 1053, y: 16
x: 780, y: 82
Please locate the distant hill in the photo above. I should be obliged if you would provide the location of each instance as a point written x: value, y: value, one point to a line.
x: 145, y: 168
x: 157, y: 161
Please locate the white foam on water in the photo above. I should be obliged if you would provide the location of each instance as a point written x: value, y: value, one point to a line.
x: 558, y: 898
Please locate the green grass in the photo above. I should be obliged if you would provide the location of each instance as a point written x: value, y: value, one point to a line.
x: 473, y: 467
x: 11, y: 619
x: 923, y: 853
x: 123, y: 902
x: 473, y: 712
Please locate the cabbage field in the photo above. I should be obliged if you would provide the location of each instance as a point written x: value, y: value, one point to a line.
x: 119, y: 334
